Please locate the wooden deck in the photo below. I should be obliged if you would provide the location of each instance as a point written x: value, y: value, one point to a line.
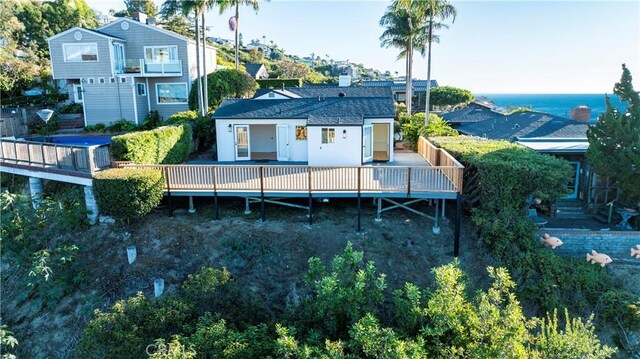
x: 68, y: 160
x: 441, y: 179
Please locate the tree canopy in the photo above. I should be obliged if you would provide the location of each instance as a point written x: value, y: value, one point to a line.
x: 227, y: 83
x: 450, y: 96
x: 614, y: 141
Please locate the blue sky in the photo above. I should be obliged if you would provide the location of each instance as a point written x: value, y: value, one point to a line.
x: 493, y: 47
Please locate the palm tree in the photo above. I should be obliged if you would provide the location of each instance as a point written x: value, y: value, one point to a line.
x: 403, y: 31
x: 433, y: 13
x: 224, y: 5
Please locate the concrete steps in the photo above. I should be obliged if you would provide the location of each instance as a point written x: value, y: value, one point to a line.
x: 570, y: 209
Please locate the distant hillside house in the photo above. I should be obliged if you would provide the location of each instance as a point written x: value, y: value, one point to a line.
x: 322, y: 125
x: 257, y: 71
x: 399, y: 89
x: 125, y: 69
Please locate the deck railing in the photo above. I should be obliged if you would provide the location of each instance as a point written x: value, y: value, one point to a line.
x: 68, y: 158
x: 306, y: 179
x: 439, y: 157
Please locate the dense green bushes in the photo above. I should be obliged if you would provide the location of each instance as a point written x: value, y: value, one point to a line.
x: 221, y: 84
x: 128, y: 193
x: 278, y: 83
x: 508, y: 174
x: 163, y: 145
x: 344, y: 313
x: 449, y: 96
x: 413, y: 127
x: 204, y: 129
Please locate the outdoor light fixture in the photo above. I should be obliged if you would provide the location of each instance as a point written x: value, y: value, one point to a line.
x: 230, y: 127
x: 344, y: 133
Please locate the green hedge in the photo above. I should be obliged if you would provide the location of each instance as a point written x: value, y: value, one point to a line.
x: 507, y: 175
x: 277, y: 83
x: 128, y: 193
x: 163, y: 145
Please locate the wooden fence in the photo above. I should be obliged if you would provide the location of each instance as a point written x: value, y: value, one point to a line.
x: 439, y: 157
x: 75, y: 159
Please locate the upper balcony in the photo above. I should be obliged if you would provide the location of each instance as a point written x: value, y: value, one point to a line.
x: 146, y: 68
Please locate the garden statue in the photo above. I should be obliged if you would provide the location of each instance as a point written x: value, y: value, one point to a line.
x: 600, y: 258
x: 635, y: 252
x: 551, y: 241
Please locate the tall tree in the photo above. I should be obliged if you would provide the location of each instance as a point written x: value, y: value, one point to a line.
x: 433, y: 13
x: 146, y: 6
x: 225, y: 5
x: 402, y: 31
x: 614, y: 141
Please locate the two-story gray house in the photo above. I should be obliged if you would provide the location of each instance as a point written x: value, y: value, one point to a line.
x: 125, y: 69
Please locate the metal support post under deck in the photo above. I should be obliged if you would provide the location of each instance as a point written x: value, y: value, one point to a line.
x: 443, y: 203
x: 246, y: 206
x: 192, y: 208
x: 456, y: 235
x: 379, y: 210
x: 262, y: 193
x: 436, y: 226
x: 359, y: 229
x: 310, y: 215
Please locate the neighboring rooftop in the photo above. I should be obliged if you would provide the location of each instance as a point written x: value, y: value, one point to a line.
x: 475, y: 112
x: 253, y: 69
x: 400, y: 85
x: 330, y: 110
x: 526, y: 124
x: 329, y: 91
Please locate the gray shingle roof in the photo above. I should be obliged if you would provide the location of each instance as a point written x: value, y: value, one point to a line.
x: 418, y: 85
x: 252, y: 69
x: 330, y: 91
x: 330, y: 110
x: 526, y: 125
x: 472, y: 113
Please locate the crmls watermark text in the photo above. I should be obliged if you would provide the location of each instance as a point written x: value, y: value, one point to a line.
x: 167, y: 349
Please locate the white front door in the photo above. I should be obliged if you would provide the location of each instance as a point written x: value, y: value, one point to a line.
x: 241, y: 133
x: 282, y: 142
x: 77, y: 93
x: 367, y: 143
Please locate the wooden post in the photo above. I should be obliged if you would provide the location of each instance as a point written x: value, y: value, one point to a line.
x: 310, y: 196
x: 91, y: 158
x: 456, y: 235
x: 44, y: 161
x: 73, y: 158
x: 262, y: 193
x: 409, y: 183
x: 216, y: 212
x: 359, y: 229
x: 166, y: 178
x: 29, y: 153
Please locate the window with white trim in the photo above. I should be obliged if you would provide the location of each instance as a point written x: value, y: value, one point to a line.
x: 112, y: 80
x: 141, y: 89
x: 90, y: 80
x: 80, y: 52
x: 171, y: 93
x: 101, y: 80
x: 328, y: 135
x: 123, y: 79
x: 160, y: 53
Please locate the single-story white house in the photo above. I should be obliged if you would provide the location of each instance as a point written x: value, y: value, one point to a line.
x: 346, y: 126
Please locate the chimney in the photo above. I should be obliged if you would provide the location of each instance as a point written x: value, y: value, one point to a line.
x: 344, y: 81
x: 581, y: 113
x: 139, y: 16
x: 151, y: 21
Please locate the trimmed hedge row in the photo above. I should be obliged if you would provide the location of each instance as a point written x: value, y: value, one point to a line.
x: 163, y: 145
x: 508, y: 174
x: 128, y: 193
x: 277, y: 83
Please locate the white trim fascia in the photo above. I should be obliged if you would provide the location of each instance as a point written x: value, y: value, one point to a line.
x: 85, y: 30
x: 167, y: 32
x: 113, y: 62
x: 148, y: 89
x: 84, y: 107
x: 64, y: 51
x: 171, y: 103
x: 135, y: 103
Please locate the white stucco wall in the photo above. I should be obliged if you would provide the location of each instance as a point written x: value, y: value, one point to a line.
x: 344, y: 152
x: 226, y: 141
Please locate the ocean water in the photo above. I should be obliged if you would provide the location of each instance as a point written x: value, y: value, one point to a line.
x: 555, y: 104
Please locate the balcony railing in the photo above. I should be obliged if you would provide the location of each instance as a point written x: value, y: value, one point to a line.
x: 145, y: 67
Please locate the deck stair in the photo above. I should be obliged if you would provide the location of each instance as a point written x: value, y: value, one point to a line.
x: 570, y: 208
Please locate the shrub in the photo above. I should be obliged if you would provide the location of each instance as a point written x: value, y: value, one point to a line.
x: 44, y: 128
x: 122, y: 126
x: 204, y: 130
x: 71, y: 108
x: 221, y: 84
x: 166, y: 145
x: 277, y: 83
x: 413, y: 127
x: 151, y: 121
x: 98, y: 127
x: 128, y: 193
